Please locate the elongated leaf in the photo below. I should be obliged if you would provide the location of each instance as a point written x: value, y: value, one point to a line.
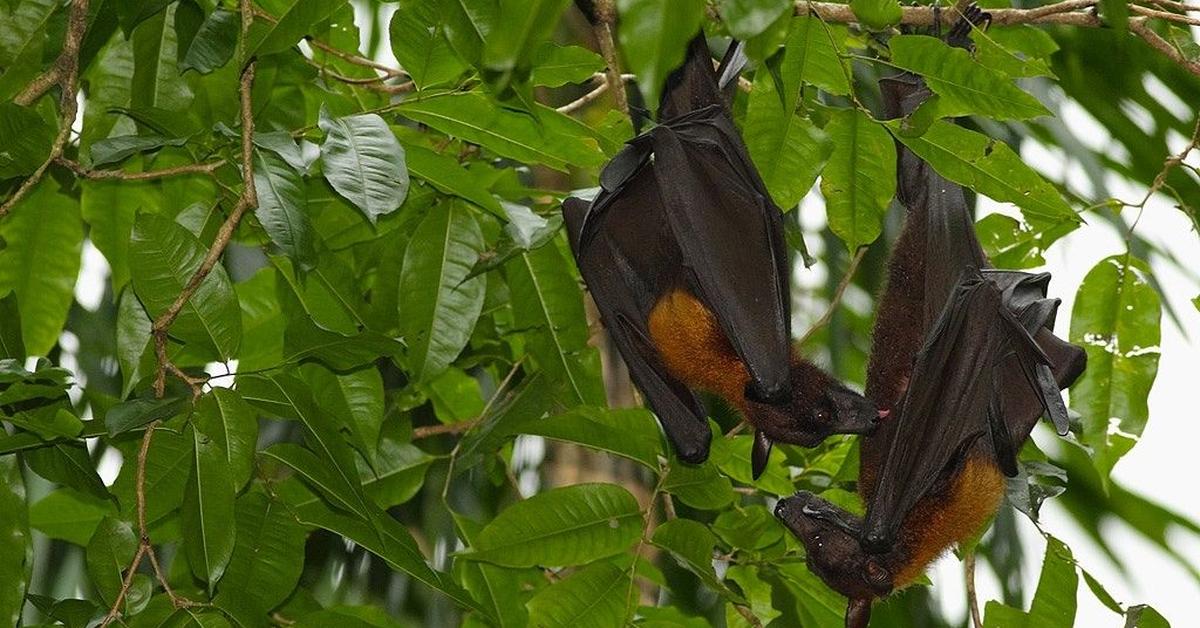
x: 444, y: 173
x: 223, y: 416
x: 69, y: 515
x: 991, y: 168
x: 23, y: 27
x: 497, y: 588
x: 356, y: 396
x: 421, y: 47
x: 877, y: 14
x: 281, y: 208
x: 468, y: 24
x: 563, y: 526
x: 654, y: 36
x: 67, y: 463
x: 788, y: 148
x: 1116, y: 320
x: 109, y: 208
x: 629, y: 433
x: 16, y: 544
x: 440, y: 305
x: 138, y: 412
x: 44, y: 236
x: 521, y: 26
x: 207, y: 510
x: 860, y: 179
x: 546, y: 297
x: 1054, y: 603
x: 691, y: 544
x: 811, y: 56
x: 699, y: 486
x: 747, y: 18
x: 109, y: 553
x: 964, y: 85
x: 114, y: 149
x: 293, y: 20
x: 473, y: 117
x: 157, y: 81
x: 168, y: 467
x: 163, y: 257
x: 26, y: 138
x: 268, y: 555
x: 214, y: 43
x: 133, y: 340
x: 596, y: 596
x: 555, y: 66
x: 364, y: 162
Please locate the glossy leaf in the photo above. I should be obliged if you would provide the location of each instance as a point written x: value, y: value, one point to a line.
x: 207, y: 509
x: 628, y: 433
x: 16, y: 543
x: 787, y: 147
x: 699, y: 486
x: 877, y: 14
x: 859, y: 180
x: 521, y: 25
x: 964, y: 85
x: 268, y: 555
x: 555, y: 66
x: 1116, y: 320
x: 563, y: 526
x: 596, y: 596
x: 163, y: 258
x: 444, y: 173
x: 281, y: 208
x: 109, y: 553
x: 44, y: 236
x: 69, y: 515
x: 23, y: 38
x: 364, y: 162
x: 223, y: 416
x: 747, y: 18
x: 293, y: 20
x: 654, y: 36
x: 421, y: 47
x: 27, y: 138
x: 214, y: 43
x: 691, y: 544
x: 440, y: 308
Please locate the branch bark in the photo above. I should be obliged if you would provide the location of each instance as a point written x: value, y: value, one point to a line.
x: 606, y: 16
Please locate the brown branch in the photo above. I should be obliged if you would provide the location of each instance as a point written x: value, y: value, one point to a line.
x: 113, y: 612
x: 1067, y: 12
x: 606, y: 16
x: 39, y: 86
x: 428, y: 431
x: 356, y: 59
x: 1165, y: 15
x: 972, y: 598
x: 837, y: 297
x: 1139, y: 27
x: 66, y: 71
x: 1178, y: 6
x: 748, y: 615
x: 584, y: 100
x: 88, y: 173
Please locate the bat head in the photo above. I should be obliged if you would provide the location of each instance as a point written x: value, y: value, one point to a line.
x: 834, y: 553
x: 818, y: 407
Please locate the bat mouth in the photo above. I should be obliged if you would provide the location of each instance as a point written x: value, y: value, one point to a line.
x: 855, y: 413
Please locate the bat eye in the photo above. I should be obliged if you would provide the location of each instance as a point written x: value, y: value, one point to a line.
x: 821, y: 415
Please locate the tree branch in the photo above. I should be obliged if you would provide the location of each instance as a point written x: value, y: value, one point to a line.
x: 606, y: 16
x: 149, y: 175
x: 65, y: 73
x: 1139, y: 27
x: 836, y: 299
x: 427, y: 431
x: 969, y: 580
x: 1066, y: 12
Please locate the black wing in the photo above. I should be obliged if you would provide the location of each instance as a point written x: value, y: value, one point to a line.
x: 990, y: 365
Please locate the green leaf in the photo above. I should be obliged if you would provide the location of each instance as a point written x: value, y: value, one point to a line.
x: 877, y: 14
x: 691, y: 544
x: 67, y: 463
x: 356, y: 396
x: 630, y: 433
x: 787, y: 147
x: 26, y: 139
x: 1143, y: 616
x: 114, y: 149
x: 757, y: 592
x: 747, y: 18
x: 16, y: 544
x: 571, y: 525
x: 157, y: 81
x: 11, y: 344
x: 138, y: 412
x: 281, y: 208
x: 732, y: 457
x: 860, y: 178
x: 811, y: 55
x: 1116, y: 16
x: 699, y: 486
x: 547, y: 298
x: 109, y: 208
x: 337, y: 489
x: 109, y: 553
x: 232, y: 424
x: 163, y: 258
x: 555, y: 66
x: 597, y: 596
x: 1116, y: 319
x: 473, y: 117
x: 521, y: 25
x: 991, y: 168
x: 444, y: 173
x: 214, y: 43
x: 1054, y: 602
x: 468, y: 24
x: 268, y: 555
x: 815, y: 603
x: 992, y: 49
x: 207, y: 510
x: 654, y: 36
x: 168, y: 467
x: 23, y: 31
x: 45, y: 238
x: 440, y: 305
x: 750, y: 527
x: 497, y: 588
x: 364, y: 162
x: 293, y: 20
x: 420, y: 46
x: 133, y: 340
x: 69, y: 515
x: 398, y: 475
x: 964, y: 85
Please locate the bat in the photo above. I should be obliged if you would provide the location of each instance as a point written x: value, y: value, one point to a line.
x: 965, y: 360
x: 684, y: 255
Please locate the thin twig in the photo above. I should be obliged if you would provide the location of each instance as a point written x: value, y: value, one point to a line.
x: 1067, y: 12
x: 584, y: 100
x: 88, y: 173
x: 427, y: 431
x: 837, y: 297
x: 748, y: 615
x: 1139, y: 27
x: 606, y: 16
x: 67, y: 65
x: 356, y: 59
x: 1178, y: 6
x: 969, y: 579
x: 1164, y: 15
x: 1160, y: 179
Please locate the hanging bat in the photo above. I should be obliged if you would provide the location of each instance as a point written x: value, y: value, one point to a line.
x: 683, y: 252
x: 965, y: 359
